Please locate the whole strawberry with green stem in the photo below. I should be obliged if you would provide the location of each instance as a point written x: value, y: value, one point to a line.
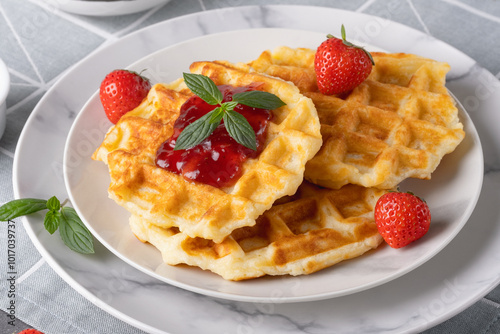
x: 122, y: 91
x: 402, y: 218
x: 341, y: 66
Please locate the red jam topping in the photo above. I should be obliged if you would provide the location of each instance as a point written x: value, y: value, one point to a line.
x: 218, y: 160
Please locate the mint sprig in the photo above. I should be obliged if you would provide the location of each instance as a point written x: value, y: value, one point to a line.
x: 236, y: 124
x: 73, y: 232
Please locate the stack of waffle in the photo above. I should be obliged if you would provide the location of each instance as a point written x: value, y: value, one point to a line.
x: 399, y: 123
x: 197, y: 209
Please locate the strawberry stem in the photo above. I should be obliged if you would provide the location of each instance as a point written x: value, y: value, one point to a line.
x: 342, y: 32
x: 347, y: 43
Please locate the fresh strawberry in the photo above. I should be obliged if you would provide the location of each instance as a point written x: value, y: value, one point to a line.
x: 340, y: 65
x: 401, y: 218
x: 122, y: 91
x: 30, y: 331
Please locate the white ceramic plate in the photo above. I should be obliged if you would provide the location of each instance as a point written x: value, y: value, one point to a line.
x: 104, y: 8
x: 452, y: 193
x: 451, y: 281
x: 4, y: 90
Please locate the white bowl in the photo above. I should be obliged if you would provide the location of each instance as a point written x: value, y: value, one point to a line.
x: 4, y: 90
x: 104, y: 8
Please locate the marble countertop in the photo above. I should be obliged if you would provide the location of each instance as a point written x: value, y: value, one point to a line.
x: 50, y: 54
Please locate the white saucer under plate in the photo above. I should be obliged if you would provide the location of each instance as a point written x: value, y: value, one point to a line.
x: 104, y: 8
x: 447, y: 283
x: 87, y: 182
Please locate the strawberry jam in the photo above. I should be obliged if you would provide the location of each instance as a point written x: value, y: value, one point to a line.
x: 218, y: 160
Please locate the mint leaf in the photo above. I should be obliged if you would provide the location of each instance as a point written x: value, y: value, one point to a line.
x: 230, y: 105
x: 21, y: 207
x: 239, y: 129
x: 204, y: 87
x: 53, y: 203
x: 220, y: 111
x: 52, y: 220
x: 258, y: 99
x: 74, y: 233
x: 196, y: 132
x: 216, y: 116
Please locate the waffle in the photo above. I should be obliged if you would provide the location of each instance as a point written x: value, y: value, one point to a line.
x: 200, y: 210
x: 397, y: 124
x: 300, y: 234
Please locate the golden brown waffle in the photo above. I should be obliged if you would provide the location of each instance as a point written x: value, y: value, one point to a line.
x: 397, y: 124
x: 301, y: 234
x: 199, y: 210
